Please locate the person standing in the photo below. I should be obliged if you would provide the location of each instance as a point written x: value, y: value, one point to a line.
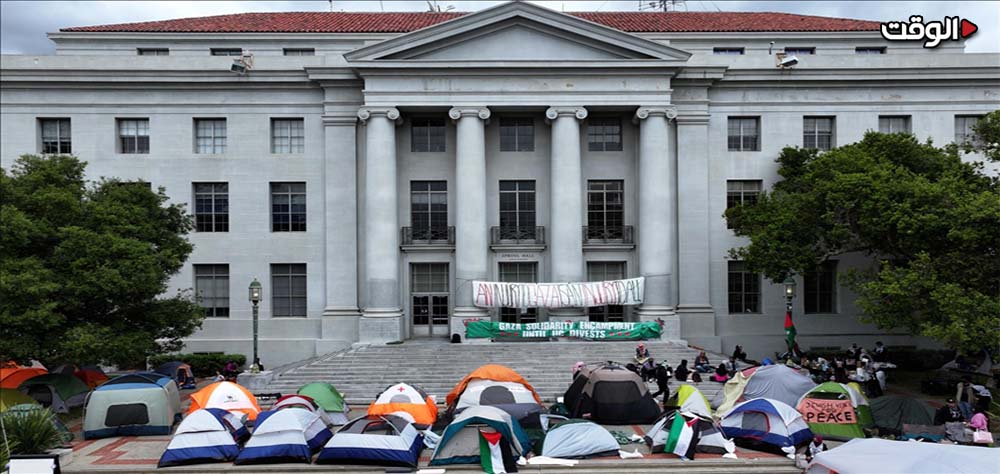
x: 965, y: 396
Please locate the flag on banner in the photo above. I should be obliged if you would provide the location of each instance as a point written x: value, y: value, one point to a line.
x: 789, y: 330
x: 490, y: 455
x: 681, y: 440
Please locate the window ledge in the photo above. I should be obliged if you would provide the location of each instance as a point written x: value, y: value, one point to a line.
x: 608, y: 246
x: 442, y: 247
x: 530, y: 247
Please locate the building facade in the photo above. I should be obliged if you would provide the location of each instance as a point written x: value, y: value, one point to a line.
x: 368, y: 167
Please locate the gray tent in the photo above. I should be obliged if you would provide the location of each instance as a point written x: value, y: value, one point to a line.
x: 710, y: 437
x: 578, y: 439
x: 775, y: 382
x: 132, y: 405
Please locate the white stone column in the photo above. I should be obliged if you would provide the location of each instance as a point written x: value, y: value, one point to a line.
x: 471, y: 231
x: 566, y: 202
x: 340, y: 187
x: 694, y: 307
x: 656, y: 214
x: 382, y: 317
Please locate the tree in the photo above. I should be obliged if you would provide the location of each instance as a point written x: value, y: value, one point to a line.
x: 929, y: 220
x: 82, y: 269
x: 987, y: 142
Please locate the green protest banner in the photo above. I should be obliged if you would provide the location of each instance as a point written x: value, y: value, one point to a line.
x: 582, y: 329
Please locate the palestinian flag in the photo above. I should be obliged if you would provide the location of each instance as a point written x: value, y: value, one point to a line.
x: 789, y: 330
x: 682, y: 438
x: 491, y: 452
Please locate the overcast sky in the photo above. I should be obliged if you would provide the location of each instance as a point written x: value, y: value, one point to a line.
x: 23, y: 24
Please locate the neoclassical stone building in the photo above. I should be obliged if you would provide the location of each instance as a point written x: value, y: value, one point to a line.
x: 369, y: 166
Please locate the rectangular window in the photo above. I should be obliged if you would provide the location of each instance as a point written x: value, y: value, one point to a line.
x: 742, y: 191
x: 133, y: 136
x: 869, y: 50
x: 733, y: 51
x: 226, y: 51
x: 604, y: 134
x: 517, y: 134
x: 605, y: 209
x: 518, y: 272
x: 817, y: 132
x: 288, y: 135
x: 744, y: 289
x: 744, y: 133
x: 210, y: 136
x: 56, y: 135
x: 299, y: 52
x: 211, y: 207
x: 429, y: 210
x: 604, y: 271
x: 211, y: 285
x: 800, y: 51
x: 517, y: 210
x: 894, y: 123
x: 427, y: 136
x: 964, y: 129
x: 429, y: 290
x: 153, y: 52
x: 288, y: 207
x: 821, y: 288
x: 288, y: 283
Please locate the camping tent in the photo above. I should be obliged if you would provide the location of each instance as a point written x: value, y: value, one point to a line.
x: 765, y: 423
x: 460, y: 442
x: 511, y: 397
x: 710, y: 437
x: 578, y: 439
x: 329, y: 399
x: 91, y: 375
x: 289, y: 435
x: 891, y: 412
x: 382, y: 440
x: 227, y: 396
x: 775, y: 382
x: 179, y: 371
x: 611, y: 394
x: 13, y: 377
x: 862, y: 456
x: 208, y: 435
x: 493, y: 372
x: 60, y: 392
x: 689, y: 399
x: 10, y: 397
x: 407, y: 398
x: 836, y: 411
x: 132, y: 405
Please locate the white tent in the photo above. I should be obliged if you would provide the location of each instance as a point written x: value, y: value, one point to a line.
x: 492, y: 392
x: 288, y: 435
x: 206, y: 435
x: 710, y: 437
x: 383, y: 440
x: 578, y: 439
x: 863, y: 456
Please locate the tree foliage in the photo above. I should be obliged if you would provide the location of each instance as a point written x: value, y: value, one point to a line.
x: 987, y: 141
x: 930, y: 221
x: 83, y: 268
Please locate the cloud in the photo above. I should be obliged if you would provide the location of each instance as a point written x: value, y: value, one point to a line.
x: 23, y: 24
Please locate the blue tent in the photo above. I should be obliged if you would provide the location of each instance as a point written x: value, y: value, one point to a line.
x: 460, y: 442
x: 766, y: 422
x: 206, y: 435
x: 179, y: 371
x: 381, y: 440
x: 286, y: 435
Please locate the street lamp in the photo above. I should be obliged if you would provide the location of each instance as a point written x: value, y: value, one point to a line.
x: 789, y: 291
x: 255, y: 294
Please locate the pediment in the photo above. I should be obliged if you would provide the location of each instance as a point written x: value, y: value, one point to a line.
x: 516, y: 32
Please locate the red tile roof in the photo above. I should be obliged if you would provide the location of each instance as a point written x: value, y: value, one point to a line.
x: 366, y: 22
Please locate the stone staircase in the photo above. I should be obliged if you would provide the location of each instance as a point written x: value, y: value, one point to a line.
x: 361, y: 373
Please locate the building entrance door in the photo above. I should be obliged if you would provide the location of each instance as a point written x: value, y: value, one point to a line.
x: 519, y: 272
x: 429, y: 295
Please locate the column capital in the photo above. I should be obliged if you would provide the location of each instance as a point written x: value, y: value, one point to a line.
x: 390, y: 113
x: 555, y: 112
x: 458, y: 112
x: 669, y: 112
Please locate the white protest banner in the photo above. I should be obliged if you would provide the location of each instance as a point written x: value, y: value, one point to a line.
x: 494, y: 294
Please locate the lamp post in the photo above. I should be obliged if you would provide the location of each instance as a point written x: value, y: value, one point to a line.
x: 255, y: 294
x: 789, y: 292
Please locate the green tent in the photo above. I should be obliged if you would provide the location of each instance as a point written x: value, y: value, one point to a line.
x: 10, y: 397
x: 816, y: 414
x: 60, y: 392
x: 890, y: 412
x: 329, y: 399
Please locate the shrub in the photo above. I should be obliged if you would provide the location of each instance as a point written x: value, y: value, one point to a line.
x: 203, y: 365
x: 31, y: 431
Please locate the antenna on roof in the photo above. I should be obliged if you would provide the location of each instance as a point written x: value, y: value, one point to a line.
x: 331, y: 5
x: 433, y: 7
x: 661, y: 5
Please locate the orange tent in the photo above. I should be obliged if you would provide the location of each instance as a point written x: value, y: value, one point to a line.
x: 227, y: 396
x: 91, y: 377
x: 13, y: 377
x: 494, y: 372
x: 406, y: 398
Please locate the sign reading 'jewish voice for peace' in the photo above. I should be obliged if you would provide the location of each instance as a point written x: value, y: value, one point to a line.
x: 816, y: 410
x: 492, y: 294
x: 582, y: 329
